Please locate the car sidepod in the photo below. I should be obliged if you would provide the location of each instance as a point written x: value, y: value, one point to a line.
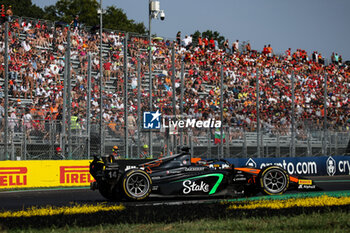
x: 205, y: 183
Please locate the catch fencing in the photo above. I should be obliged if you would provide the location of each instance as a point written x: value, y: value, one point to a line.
x: 265, y: 111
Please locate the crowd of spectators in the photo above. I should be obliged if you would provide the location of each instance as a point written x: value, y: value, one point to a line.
x: 37, y: 62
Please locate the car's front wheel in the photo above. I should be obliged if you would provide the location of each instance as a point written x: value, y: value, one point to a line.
x: 137, y: 184
x: 274, y: 180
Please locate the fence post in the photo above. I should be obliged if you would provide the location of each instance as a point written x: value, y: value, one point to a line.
x: 69, y: 107
x: 257, y: 114
x: 24, y: 140
x: 64, y: 108
x: 293, y: 117
x: 126, y: 132
x: 325, y: 139
x: 309, y: 146
x: 221, y: 112
x: 88, y: 110
x: 278, y: 152
x: 209, y: 143
x: 101, y: 86
x: 138, y: 106
x: 245, y: 149
x: 181, y: 101
x: 6, y: 106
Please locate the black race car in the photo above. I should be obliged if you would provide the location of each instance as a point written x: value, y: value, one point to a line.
x: 180, y: 175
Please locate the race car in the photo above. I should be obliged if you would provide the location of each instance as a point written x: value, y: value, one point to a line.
x: 181, y: 175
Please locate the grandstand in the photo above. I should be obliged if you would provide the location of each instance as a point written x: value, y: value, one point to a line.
x: 36, y: 73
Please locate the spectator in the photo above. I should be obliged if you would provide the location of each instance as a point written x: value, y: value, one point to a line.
x: 178, y: 37
x: 235, y: 46
x: 28, y: 124
x: 145, y: 153
x: 9, y: 13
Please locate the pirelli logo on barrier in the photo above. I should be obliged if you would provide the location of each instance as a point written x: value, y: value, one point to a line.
x: 13, y: 176
x: 44, y: 173
x: 75, y: 175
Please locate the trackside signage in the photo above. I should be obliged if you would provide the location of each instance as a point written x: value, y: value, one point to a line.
x: 75, y: 175
x: 155, y: 120
x: 13, y: 176
x: 308, y: 166
x: 45, y: 173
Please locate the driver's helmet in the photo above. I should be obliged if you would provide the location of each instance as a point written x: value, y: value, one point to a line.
x: 115, y: 148
x: 145, y: 146
x: 58, y: 150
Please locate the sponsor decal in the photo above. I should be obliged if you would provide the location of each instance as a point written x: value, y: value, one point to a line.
x: 173, y: 172
x: 251, y: 163
x: 309, y: 166
x: 344, y: 166
x: 213, y: 190
x: 194, y: 169
x: 13, y: 176
x: 130, y: 167
x: 154, y: 120
x: 219, y: 166
x: 190, y: 186
x: 193, y: 123
x: 151, y: 120
x: 298, y: 168
x: 303, y: 186
x: 331, y: 166
x: 306, y: 182
x: 75, y: 175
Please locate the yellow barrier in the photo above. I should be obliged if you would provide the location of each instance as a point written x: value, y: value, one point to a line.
x: 44, y: 173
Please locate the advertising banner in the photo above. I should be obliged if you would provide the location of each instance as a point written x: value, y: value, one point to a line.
x: 58, y: 173
x: 45, y: 173
x: 307, y: 166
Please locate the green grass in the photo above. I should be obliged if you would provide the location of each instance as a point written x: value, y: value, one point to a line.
x: 334, y: 221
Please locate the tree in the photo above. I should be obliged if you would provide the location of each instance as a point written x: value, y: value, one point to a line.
x: 24, y: 8
x: 215, y: 35
x: 66, y: 10
x: 113, y: 18
x: 116, y: 19
x: 209, y: 34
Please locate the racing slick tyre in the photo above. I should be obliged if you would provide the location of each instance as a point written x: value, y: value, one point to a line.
x: 273, y: 180
x: 137, y: 185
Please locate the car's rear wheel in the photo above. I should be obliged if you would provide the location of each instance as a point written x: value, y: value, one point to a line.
x: 274, y: 180
x: 137, y: 185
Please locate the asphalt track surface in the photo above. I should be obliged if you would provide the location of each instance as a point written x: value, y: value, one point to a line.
x: 23, y: 199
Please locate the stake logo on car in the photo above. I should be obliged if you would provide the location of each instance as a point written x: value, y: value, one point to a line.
x: 190, y: 186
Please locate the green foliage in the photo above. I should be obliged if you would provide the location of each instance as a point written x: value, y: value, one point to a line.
x: 24, y: 8
x: 215, y: 35
x: 66, y: 10
x: 208, y: 34
x: 116, y: 19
